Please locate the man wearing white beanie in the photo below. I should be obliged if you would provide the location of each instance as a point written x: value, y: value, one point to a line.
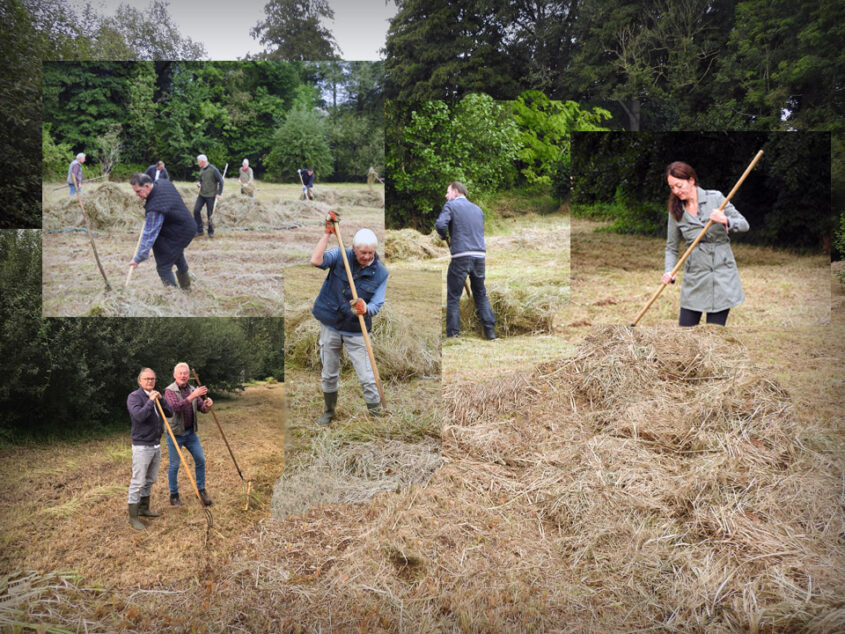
x: 338, y: 314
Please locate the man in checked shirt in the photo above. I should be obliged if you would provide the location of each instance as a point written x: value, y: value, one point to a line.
x: 168, y: 229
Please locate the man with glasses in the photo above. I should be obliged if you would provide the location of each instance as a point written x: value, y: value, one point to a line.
x: 147, y: 427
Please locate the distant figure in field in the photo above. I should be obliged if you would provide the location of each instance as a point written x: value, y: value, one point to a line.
x: 157, y: 171
x: 186, y: 400
x: 245, y: 177
x: 711, y: 283
x: 307, y: 176
x: 210, y: 183
x: 147, y: 427
x: 168, y: 229
x: 338, y: 315
x: 463, y: 223
x: 74, y: 174
x: 372, y: 177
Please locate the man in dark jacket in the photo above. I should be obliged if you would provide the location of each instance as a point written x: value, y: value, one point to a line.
x: 147, y: 427
x: 157, y: 171
x: 338, y: 315
x: 307, y: 176
x: 186, y: 400
x: 168, y: 229
x: 463, y: 222
x: 210, y: 183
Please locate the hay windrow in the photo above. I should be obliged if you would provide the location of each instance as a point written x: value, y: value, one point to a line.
x: 519, y: 309
x: 401, y: 352
x: 409, y: 244
x: 353, y: 473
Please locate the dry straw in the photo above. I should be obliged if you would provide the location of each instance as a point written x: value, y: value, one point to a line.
x: 409, y: 244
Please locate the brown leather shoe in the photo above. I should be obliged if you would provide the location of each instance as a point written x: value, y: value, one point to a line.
x: 205, y: 499
x: 174, y: 500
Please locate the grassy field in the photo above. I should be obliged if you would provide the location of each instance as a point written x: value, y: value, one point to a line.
x: 238, y: 273
x: 69, y: 557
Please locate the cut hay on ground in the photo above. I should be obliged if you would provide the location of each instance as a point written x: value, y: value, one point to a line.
x: 519, y: 308
x: 353, y: 473
x: 340, y: 198
x: 409, y: 244
x: 401, y: 351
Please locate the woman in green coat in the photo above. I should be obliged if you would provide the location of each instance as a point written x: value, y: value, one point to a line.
x: 710, y: 283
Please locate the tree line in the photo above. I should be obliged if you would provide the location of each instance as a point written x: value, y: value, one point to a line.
x: 621, y: 177
x: 489, y: 145
x: 281, y: 116
x: 67, y: 377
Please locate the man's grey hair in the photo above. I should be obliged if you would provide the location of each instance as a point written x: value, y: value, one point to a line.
x: 246, y: 162
x: 365, y: 238
x: 181, y: 364
x: 145, y: 370
x: 202, y: 157
x: 81, y: 155
x: 140, y: 179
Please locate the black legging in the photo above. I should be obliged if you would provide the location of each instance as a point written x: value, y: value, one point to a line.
x: 692, y: 317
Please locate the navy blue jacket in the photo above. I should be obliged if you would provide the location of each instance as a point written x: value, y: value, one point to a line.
x: 151, y: 172
x: 147, y: 425
x: 465, y: 223
x: 307, y: 179
x: 179, y: 227
x: 332, y: 304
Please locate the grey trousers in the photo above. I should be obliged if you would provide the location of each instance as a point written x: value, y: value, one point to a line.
x: 145, y: 463
x: 331, y: 346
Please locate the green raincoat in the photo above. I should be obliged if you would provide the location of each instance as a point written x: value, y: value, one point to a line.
x: 710, y: 282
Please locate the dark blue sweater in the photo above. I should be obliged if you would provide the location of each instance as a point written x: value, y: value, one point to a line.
x: 465, y: 224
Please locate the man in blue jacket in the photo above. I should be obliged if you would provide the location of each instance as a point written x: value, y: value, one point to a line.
x: 338, y: 314
x: 168, y: 229
x: 147, y: 427
x: 157, y: 171
x: 463, y: 222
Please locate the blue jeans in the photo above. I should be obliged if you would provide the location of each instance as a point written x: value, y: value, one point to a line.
x: 459, y: 268
x: 73, y: 189
x: 191, y: 442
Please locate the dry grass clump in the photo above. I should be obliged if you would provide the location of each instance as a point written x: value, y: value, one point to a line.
x: 519, y: 308
x: 108, y: 208
x: 353, y: 472
x: 401, y: 350
x: 349, y: 198
x: 410, y: 244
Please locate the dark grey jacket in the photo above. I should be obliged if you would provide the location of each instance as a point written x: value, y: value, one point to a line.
x: 710, y: 282
x: 465, y: 224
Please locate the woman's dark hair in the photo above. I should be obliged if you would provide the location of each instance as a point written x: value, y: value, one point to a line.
x: 679, y: 169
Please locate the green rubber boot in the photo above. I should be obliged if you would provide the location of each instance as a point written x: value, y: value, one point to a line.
x: 328, y: 415
x: 133, y: 518
x: 144, y: 508
x: 184, y: 280
x: 375, y: 409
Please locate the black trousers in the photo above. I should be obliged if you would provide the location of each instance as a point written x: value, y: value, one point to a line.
x: 459, y: 269
x: 693, y: 317
x: 208, y: 201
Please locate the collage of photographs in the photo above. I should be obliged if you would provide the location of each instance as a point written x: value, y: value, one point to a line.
x: 423, y: 316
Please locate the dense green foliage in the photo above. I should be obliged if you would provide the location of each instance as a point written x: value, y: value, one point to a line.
x: 786, y: 199
x: 696, y: 64
x: 66, y: 375
x: 278, y: 115
x: 488, y: 145
x: 293, y: 28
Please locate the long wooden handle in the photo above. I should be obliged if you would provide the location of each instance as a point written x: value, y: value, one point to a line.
x: 91, y: 238
x: 181, y: 457
x: 220, y: 428
x: 360, y: 317
x: 132, y: 268
x: 698, y: 238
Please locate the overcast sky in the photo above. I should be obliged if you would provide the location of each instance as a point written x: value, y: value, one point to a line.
x: 359, y: 26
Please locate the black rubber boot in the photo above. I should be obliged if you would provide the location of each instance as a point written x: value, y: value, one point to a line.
x: 144, y: 508
x: 133, y: 518
x: 375, y: 409
x: 490, y: 332
x: 174, y: 500
x: 328, y: 415
x: 184, y: 280
x: 205, y: 499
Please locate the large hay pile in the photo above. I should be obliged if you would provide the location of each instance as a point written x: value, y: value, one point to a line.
x: 401, y: 351
x: 409, y: 244
x: 335, y: 198
x: 108, y: 208
x: 353, y: 472
x: 657, y: 480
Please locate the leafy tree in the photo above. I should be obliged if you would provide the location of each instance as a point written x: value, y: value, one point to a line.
x: 438, y: 49
x: 54, y: 158
x: 300, y: 141
x: 151, y: 33
x: 433, y: 143
x: 293, y: 28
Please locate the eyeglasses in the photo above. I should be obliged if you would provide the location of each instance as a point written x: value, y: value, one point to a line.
x: 148, y: 378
